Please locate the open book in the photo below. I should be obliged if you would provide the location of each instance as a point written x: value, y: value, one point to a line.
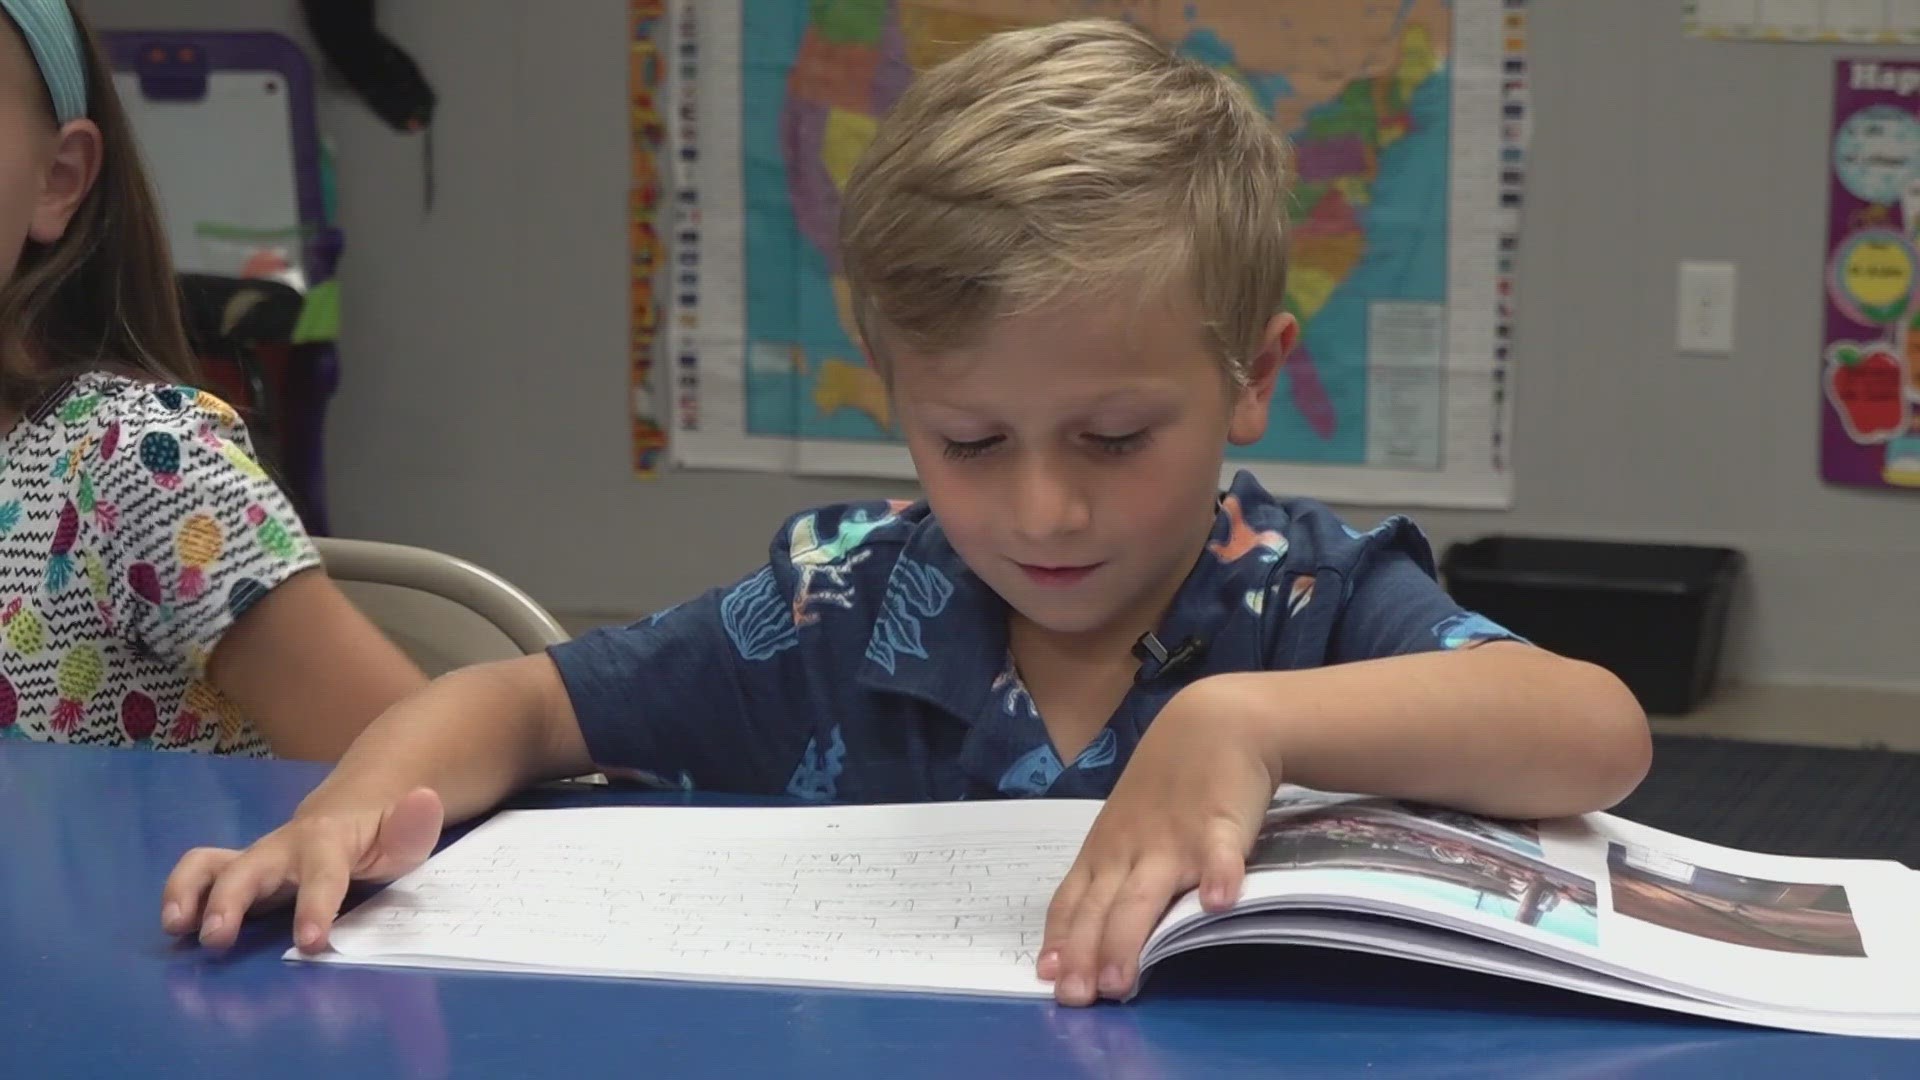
x: 953, y: 898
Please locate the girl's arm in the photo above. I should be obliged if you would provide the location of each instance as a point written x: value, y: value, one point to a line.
x: 308, y: 669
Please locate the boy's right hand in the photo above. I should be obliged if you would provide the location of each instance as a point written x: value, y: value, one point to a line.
x: 312, y: 858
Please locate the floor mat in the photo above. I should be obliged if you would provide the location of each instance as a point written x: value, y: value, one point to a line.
x: 1785, y: 800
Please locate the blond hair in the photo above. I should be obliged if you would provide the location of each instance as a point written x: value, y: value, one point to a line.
x: 1079, y: 156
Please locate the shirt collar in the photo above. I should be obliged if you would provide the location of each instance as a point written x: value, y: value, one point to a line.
x: 1233, y: 569
x: 940, y: 633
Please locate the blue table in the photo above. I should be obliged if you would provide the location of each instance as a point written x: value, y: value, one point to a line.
x: 90, y: 986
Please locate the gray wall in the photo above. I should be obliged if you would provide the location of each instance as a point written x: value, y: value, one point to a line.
x: 1648, y: 148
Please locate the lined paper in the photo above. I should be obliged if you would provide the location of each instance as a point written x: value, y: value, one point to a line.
x: 929, y: 897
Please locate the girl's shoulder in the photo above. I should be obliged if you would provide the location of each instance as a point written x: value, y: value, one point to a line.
x: 108, y: 395
x: 106, y: 411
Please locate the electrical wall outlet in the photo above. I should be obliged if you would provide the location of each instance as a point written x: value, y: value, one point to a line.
x: 1706, y: 308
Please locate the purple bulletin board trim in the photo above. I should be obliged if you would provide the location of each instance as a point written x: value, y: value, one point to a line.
x: 1890, y: 84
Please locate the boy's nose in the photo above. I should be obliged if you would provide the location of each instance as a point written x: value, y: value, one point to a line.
x: 1047, y: 502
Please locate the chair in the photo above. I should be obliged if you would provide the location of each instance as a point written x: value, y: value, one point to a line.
x: 444, y: 612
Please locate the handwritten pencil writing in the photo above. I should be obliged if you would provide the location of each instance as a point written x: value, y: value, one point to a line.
x: 727, y: 903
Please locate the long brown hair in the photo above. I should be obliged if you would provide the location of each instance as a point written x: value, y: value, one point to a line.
x: 103, y: 295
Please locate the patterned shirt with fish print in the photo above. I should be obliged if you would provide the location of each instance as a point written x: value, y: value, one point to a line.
x: 135, y: 527
x: 866, y: 663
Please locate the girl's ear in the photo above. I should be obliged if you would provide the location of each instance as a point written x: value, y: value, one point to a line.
x: 69, y: 176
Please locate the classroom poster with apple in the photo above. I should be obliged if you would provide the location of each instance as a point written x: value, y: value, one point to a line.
x: 1870, y: 362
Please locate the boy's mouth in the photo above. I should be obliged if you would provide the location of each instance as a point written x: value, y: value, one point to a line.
x: 1058, y: 577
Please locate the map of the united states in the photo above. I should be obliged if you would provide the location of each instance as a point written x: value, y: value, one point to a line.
x: 1359, y: 87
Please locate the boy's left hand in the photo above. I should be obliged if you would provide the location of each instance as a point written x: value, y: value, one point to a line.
x: 1185, y: 813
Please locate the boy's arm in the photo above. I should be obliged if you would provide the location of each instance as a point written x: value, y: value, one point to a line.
x: 1503, y: 729
x: 447, y: 753
x: 1423, y: 699
x: 704, y: 690
x: 475, y: 736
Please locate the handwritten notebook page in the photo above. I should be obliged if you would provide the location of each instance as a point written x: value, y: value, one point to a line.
x: 936, y: 897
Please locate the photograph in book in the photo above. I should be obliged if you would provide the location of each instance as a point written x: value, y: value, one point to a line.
x: 1432, y: 861
x: 1520, y: 836
x: 1782, y: 916
x: 1297, y: 801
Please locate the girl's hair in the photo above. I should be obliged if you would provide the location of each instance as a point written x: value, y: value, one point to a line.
x: 103, y: 295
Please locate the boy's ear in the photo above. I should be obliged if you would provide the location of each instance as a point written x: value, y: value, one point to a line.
x: 1252, y: 401
x: 69, y: 176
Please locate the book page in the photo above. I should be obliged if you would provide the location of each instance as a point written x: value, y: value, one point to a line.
x: 1385, y: 937
x: 1829, y: 935
x: 931, y: 897
x: 1834, y: 936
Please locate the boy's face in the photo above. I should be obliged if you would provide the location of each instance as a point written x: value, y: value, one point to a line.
x: 1073, y: 454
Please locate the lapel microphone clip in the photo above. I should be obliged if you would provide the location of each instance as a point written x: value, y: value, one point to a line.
x: 1149, y: 649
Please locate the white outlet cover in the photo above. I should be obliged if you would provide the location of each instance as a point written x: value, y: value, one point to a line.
x: 1705, y: 309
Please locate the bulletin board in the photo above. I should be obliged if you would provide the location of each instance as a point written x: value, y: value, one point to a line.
x: 646, y: 251
x: 1870, y: 340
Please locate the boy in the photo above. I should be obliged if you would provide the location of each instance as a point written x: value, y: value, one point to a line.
x: 1066, y: 252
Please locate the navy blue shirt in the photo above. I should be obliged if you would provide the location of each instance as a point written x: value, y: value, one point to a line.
x: 865, y: 663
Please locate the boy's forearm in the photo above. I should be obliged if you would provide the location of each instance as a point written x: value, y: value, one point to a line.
x: 475, y: 736
x: 1503, y: 729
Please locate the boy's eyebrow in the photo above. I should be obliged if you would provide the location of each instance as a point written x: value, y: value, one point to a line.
x: 1129, y: 393
x: 1142, y: 392
x: 1145, y: 396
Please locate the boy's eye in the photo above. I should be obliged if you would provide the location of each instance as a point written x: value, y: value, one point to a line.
x: 1120, y: 444
x: 961, y: 451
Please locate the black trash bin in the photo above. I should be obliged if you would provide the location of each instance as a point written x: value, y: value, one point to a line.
x: 1653, y: 614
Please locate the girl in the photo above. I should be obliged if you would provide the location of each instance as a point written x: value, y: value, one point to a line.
x: 156, y: 588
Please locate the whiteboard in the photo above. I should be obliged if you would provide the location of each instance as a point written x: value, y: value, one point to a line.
x: 226, y: 160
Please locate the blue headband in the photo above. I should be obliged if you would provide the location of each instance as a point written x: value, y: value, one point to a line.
x: 48, y: 27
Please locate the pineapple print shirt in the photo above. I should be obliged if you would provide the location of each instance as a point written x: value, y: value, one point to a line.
x: 135, y: 528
